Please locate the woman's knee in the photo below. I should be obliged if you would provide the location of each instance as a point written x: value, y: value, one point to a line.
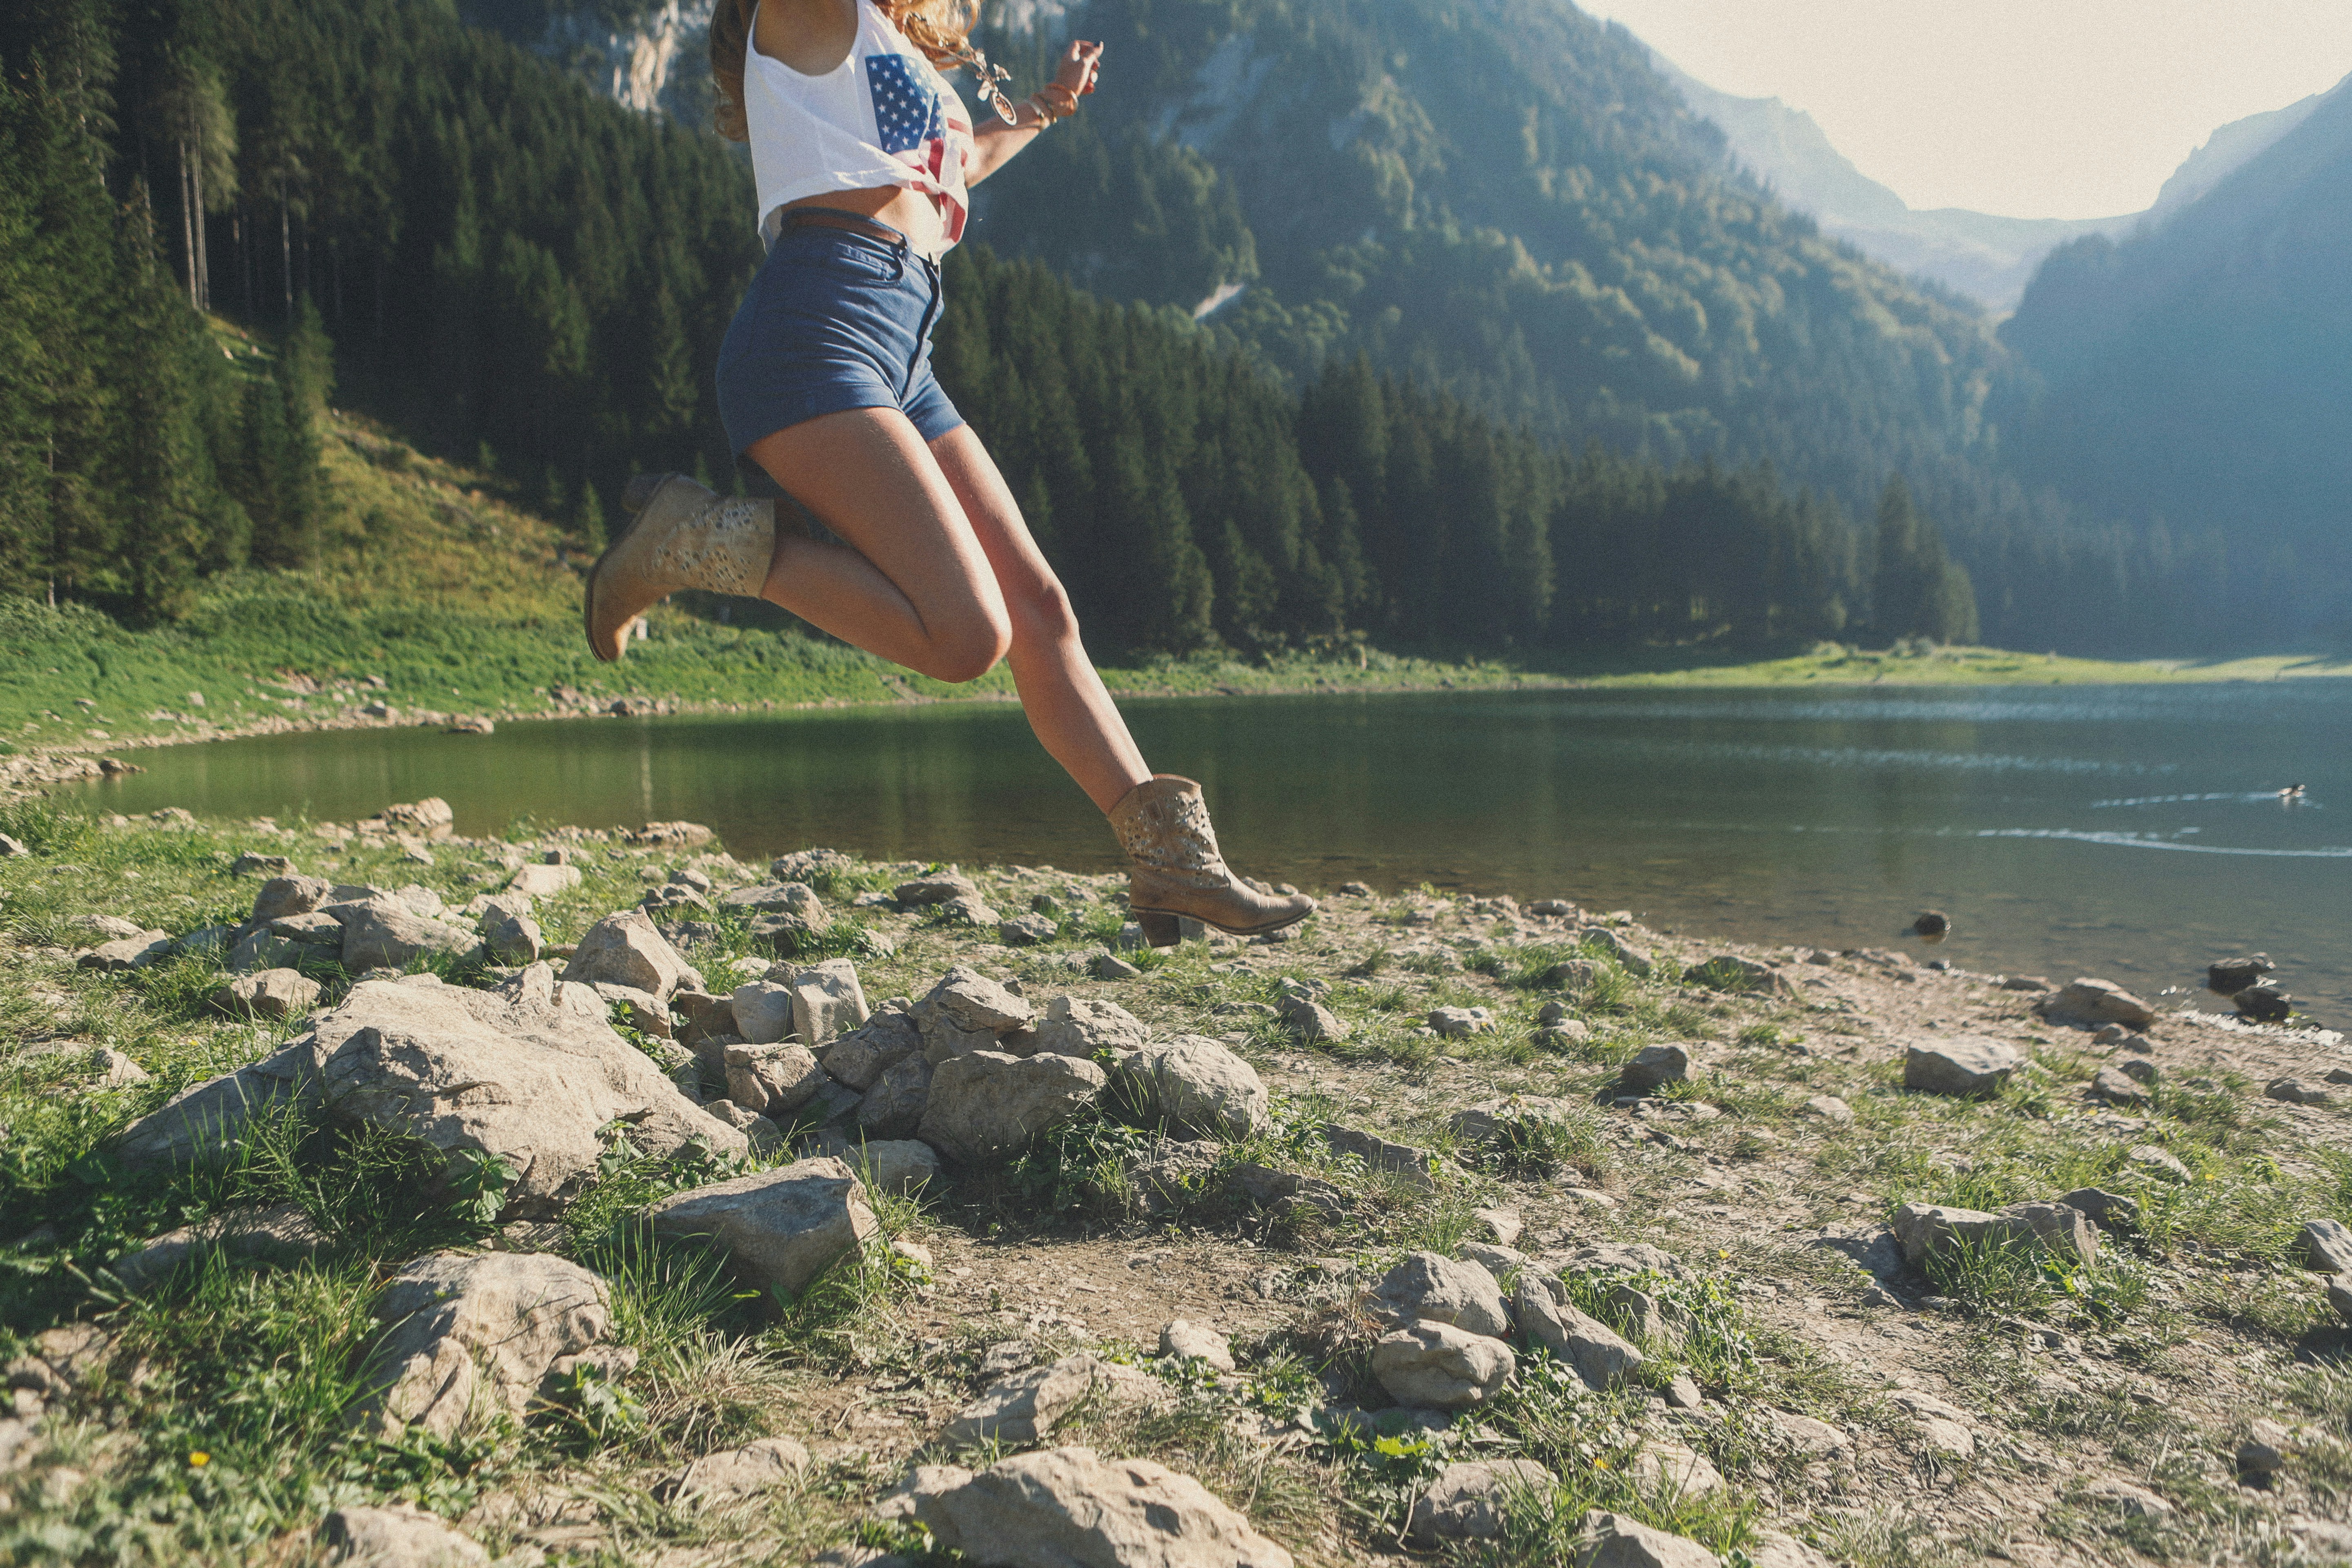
x: 969, y: 647
x: 1041, y: 613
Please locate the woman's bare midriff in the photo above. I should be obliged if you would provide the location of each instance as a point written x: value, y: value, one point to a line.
x: 911, y: 213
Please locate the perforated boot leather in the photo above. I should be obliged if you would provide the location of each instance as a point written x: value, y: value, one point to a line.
x: 1163, y: 825
x: 679, y: 534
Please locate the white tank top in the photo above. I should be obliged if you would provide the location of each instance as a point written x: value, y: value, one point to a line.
x: 885, y: 116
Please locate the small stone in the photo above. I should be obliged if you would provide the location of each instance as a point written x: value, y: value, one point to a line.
x: 894, y: 1107
x: 2108, y: 1210
x: 1933, y: 924
x: 1681, y: 1394
x: 2129, y: 1501
x: 463, y: 1329
x: 288, y: 893
x: 544, y: 881
x: 1601, y: 1358
x: 755, y: 1468
x: 2266, y: 1448
x: 2118, y: 1087
x: 2088, y: 1001
x: 828, y: 1002
x: 1074, y: 1027
x: 1653, y: 1067
x: 1428, y: 1285
x: 1966, y: 1065
x: 1196, y: 1342
x: 1311, y: 1021
x: 2295, y: 1091
x: 2324, y: 1245
x: 1111, y: 967
x: 1829, y: 1108
x: 129, y: 953
x: 763, y: 1012
x: 2158, y: 1162
x: 774, y: 1080
x: 861, y: 1056
x: 1620, y: 1540
x: 626, y: 950
x: 1676, y: 1467
x: 2264, y: 1004
x: 784, y: 1227
x: 1454, y: 1023
x: 399, y: 1536
x: 1027, y: 931
x: 1468, y: 1501
x: 987, y: 1106
x: 1026, y: 1406
x: 2231, y: 975
x: 1069, y: 1508
x: 1196, y: 1086
x: 1502, y: 1226
x: 275, y: 994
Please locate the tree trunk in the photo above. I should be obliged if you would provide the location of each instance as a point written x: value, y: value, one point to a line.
x: 187, y: 228
x: 204, y: 268
x: 286, y: 252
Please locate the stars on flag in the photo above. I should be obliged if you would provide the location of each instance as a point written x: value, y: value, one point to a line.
x: 906, y: 111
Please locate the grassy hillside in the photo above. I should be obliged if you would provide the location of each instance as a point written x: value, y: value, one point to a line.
x: 437, y: 595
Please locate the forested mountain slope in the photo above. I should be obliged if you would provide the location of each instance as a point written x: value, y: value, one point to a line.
x: 2199, y: 376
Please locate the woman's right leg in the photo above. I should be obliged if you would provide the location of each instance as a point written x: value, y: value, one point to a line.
x: 914, y: 585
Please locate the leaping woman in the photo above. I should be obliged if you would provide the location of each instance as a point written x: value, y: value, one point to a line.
x: 863, y: 155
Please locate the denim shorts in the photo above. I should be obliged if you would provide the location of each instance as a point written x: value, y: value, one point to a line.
x: 833, y: 320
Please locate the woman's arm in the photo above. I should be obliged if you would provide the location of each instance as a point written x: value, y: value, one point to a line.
x: 993, y: 141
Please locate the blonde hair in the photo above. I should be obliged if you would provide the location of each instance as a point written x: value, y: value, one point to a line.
x: 940, y: 28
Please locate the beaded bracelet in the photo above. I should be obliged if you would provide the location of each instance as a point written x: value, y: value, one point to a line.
x: 1061, y: 107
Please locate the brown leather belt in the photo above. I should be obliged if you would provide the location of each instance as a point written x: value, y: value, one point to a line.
x: 851, y: 223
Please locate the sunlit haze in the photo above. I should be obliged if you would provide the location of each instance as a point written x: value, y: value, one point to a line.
x: 2025, y: 107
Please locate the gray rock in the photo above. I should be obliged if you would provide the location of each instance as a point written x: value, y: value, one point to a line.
x: 784, y: 1227
x: 1440, y: 1366
x: 2098, y: 1002
x: 987, y: 1106
x: 748, y: 1471
x: 468, y: 1329
x: 796, y: 898
x: 2232, y: 975
x: 708, y: 1017
x: 2295, y: 1091
x: 388, y: 934
x: 544, y: 881
x: 1069, y: 1508
x: 513, y: 936
x: 1195, y: 1085
x: 286, y: 894
x: 1171, y: 1173
x: 1027, y: 931
x: 277, y: 995
x: 1468, y: 1501
x: 1729, y: 971
x: 531, y: 1074
x: 1650, y: 1321
x: 2108, y: 1210
x: 1652, y: 1068
x: 114, y: 1069
x: 762, y: 1011
x: 895, y: 1106
x: 1601, y: 1358
x: 774, y: 1080
x: 1829, y: 1108
x: 2324, y: 1245
x: 1311, y: 1021
x: 1428, y: 1285
x: 1628, y: 956
x: 828, y: 1002
x: 1509, y: 1117
x: 966, y: 912
x: 862, y: 1056
x: 924, y: 892
x: 127, y: 954
x: 1501, y: 1227
x: 2118, y: 1087
x: 1958, y: 1064
x: 1284, y: 1191
x: 264, y: 866
x: 280, y: 1234
x: 639, y: 1011
x: 763, y: 1135
x: 963, y: 1004
x: 1621, y: 1540
x: 1922, y: 1229
x: 259, y: 949
x: 812, y: 865
x: 1026, y: 1406
x: 398, y: 1536
x: 1776, y: 1549
x: 1111, y: 967
x: 1196, y: 1342
x: 1452, y: 1023
x: 886, y: 1165
x: 214, y: 942
x: 1379, y: 1154
x: 2158, y: 1160
x: 2266, y: 1448
x: 1074, y: 1027
x: 626, y: 950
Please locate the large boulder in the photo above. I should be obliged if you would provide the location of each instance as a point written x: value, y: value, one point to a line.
x: 1442, y: 1367
x: 1070, y: 1508
x: 531, y: 1074
x: 1601, y: 1357
x: 987, y: 1106
x: 828, y: 1002
x: 468, y: 1328
x: 1074, y: 1027
x: 1966, y: 1065
x: 784, y: 1227
x: 1442, y: 1290
x: 1922, y: 1230
x: 1196, y: 1085
x: 625, y: 949
x: 387, y: 934
x: 864, y: 1055
x: 2090, y: 1001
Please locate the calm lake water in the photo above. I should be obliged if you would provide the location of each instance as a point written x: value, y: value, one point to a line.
x: 2127, y: 831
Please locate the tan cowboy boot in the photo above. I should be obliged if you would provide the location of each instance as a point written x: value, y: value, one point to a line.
x: 1163, y: 825
x: 680, y: 535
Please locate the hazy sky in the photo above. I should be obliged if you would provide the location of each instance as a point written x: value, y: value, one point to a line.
x: 2023, y: 107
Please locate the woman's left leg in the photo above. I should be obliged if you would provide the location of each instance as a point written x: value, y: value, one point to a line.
x: 1065, y: 700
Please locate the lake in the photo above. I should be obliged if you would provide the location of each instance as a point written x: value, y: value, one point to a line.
x: 2134, y: 832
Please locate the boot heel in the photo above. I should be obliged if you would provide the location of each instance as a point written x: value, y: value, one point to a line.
x: 1159, y: 929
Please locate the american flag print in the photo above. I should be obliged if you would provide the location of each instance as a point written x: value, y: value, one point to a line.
x: 914, y: 127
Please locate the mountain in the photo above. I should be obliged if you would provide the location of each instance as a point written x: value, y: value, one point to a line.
x: 1987, y: 257
x: 2197, y: 377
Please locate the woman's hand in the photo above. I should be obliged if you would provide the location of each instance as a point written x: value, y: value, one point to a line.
x: 1080, y: 63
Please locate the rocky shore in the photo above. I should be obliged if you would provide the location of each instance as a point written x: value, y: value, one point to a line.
x: 381, y: 1196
